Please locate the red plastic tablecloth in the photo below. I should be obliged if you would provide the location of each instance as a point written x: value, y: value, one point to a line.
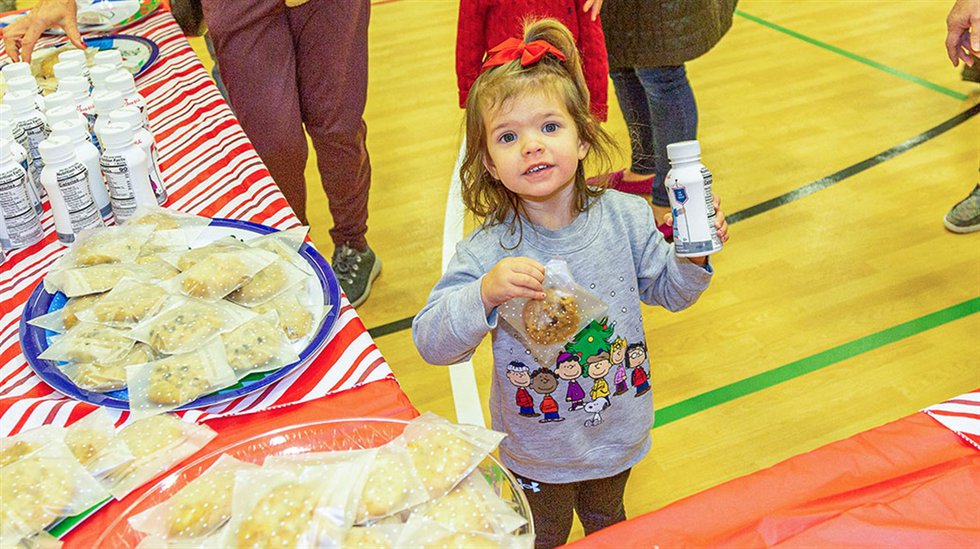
x: 909, y: 483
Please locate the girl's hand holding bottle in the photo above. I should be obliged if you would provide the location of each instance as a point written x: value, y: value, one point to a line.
x: 721, y: 225
x: 512, y: 277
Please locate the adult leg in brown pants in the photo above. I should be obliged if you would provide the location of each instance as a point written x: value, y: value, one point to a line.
x: 286, y: 67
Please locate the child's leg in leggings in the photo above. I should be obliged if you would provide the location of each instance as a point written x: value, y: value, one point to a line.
x: 636, y: 111
x: 551, y: 505
x: 599, y: 502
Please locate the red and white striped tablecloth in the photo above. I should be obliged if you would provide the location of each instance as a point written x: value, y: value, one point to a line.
x: 210, y: 169
x: 960, y: 415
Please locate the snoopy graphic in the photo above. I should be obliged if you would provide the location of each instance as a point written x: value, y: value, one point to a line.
x: 594, y: 408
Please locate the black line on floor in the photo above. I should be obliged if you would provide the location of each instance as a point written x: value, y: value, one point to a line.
x: 792, y: 196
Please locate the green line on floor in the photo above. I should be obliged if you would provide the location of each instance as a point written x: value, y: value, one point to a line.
x: 855, y: 57
x: 815, y: 362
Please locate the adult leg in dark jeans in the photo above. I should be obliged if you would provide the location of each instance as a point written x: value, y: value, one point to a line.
x: 673, y: 118
x: 636, y: 111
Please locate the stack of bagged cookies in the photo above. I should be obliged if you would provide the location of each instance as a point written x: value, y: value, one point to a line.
x: 52, y: 472
x: 171, y: 322
x: 425, y: 488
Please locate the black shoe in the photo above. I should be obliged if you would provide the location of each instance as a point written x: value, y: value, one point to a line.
x: 355, y: 271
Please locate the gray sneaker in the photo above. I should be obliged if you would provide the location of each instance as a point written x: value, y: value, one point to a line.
x: 355, y: 271
x: 965, y: 216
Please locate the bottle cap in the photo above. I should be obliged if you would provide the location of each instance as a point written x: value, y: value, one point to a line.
x: 99, y: 73
x: 22, y: 82
x: 64, y: 112
x: 107, y: 101
x: 73, y: 55
x: 6, y: 150
x: 21, y: 101
x: 74, y: 129
x: 115, y: 136
x: 77, y: 86
x: 64, y: 69
x: 19, y: 68
x: 58, y: 99
x: 112, y: 58
x: 684, y: 150
x: 55, y: 149
x: 127, y: 115
x: 122, y: 82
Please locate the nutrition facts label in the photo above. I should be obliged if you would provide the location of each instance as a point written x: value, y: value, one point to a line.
x: 23, y: 227
x: 73, y: 184
x: 120, y: 186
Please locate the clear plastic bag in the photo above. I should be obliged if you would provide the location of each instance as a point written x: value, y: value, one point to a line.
x: 90, y: 280
x: 427, y: 534
x: 186, y: 259
x: 270, y: 282
x: 219, y: 274
x: 392, y: 485
x: 545, y: 326
x: 157, y: 443
x: 258, y: 345
x: 44, y: 485
x: 89, y: 342
x: 107, y: 376
x: 199, y: 509
x: 298, y: 315
x: 126, y: 305
x: 286, y: 245
x: 185, y: 324
x: 93, y: 442
x: 170, y: 382
x: 66, y: 317
x: 163, y: 219
x: 105, y: 245
x: 272, y: 508
x: 472, y: 507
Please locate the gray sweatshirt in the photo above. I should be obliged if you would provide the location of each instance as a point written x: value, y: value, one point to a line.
x: 587, y: 414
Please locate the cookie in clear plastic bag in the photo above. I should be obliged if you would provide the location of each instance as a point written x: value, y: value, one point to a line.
x: 258, y: 345
x: 127, y: 304
x: 88, y: 342
x: 110, y: 375
x: 545, y: 326
x: 219, y: 274
x: 105, y: 245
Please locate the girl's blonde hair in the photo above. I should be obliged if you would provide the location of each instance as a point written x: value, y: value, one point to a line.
x: 619, y: 343
x: 484, y: 195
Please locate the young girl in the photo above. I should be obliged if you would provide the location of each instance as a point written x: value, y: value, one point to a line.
x: 528, y: 129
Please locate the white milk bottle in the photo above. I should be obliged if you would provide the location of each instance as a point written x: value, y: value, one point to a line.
x: 66, y: 180
x: 122, y: 81
x: 79, y: 90
x: 20, y: 68
x: 75, y: 56
x: 109, y: 58
x: 105, y: 102
x: 29, y: 84
x: 64, y: 69
x: 17, y: 137
x: 98, y: 74
x: 144, y: 139
x: 125, y: 167
x: 16, y: 207
x: 26, y: 116
x: 89, y: 156
x: 689, y: 189
x: 57, y: 99
x: 64, y: 112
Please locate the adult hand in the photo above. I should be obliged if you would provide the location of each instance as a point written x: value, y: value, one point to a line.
x: 963, y: 31
x: 512, y: 277
x: 592, y: 6
x: 20, y: 36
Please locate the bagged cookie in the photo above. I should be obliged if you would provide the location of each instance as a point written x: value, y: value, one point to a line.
x: 298, y: 315
x: 272, y: 508
x: 544, y: 326
x: 89, y: 342
x: 188, y: 258
x: 258, y: 345
x: 105, y: 245
x: 154, y: 268
x: 157, y: 444
x: 185, y: 324
x: 105, y: 376
x: 90, y: 280
x: 219, y: 274
x: 270, y: 282
x: 199, y: 509
x: 392, y: 485
x: 44, y: 485
x: 286, y: 245
x: 443, y: 454
x: 170, y: 382
x: 126, y: 305
x: 93, y: 442
x: 428, y: 534
x: 163, y: 219
x: 66, y: 317
x: 375, y: 536
x: 472, y: 506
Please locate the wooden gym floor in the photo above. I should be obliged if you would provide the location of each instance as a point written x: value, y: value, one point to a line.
x: 839, y: 136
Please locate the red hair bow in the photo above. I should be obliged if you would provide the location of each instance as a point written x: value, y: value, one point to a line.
x: 515, y: 48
